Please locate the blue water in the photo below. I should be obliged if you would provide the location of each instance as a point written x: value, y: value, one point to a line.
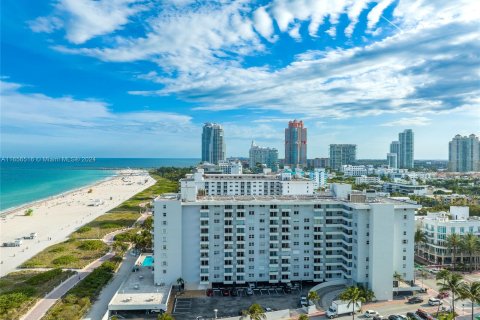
x: 148, y: 261
x: 26, y: 180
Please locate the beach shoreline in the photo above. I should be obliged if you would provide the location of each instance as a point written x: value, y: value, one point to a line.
x: 54, y: 219
x: 27, y: 205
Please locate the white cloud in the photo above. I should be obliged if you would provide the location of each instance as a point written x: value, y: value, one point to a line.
x: 263, y: 23
x: 408, y: 122
x: 374, y: 15
x: 86, y: 19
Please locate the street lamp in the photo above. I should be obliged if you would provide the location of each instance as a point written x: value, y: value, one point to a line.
x: 215, y: 310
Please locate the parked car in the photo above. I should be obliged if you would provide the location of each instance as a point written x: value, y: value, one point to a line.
x: 413, y: 316
x: 413, y: 300
x: 402, y: 317
x: 209, y: 292
x: 394, y: 317
x: 303, y: 301
x: 434, y: 301
x: 424, y: 315
x: 442, y: 295
x: 249, y: 291
x: 378, y: 317
x: 226, y: 292
x: 234, y: 292
x: 370, y: 313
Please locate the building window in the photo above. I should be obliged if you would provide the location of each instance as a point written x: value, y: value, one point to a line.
x: 164, y: 214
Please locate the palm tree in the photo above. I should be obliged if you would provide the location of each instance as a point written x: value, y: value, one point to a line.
x: 471, y: 291
x: 453, y: 242
x: 443, y: 275
x: 420, y: 237
x: 312, y: 297
x: 353, y: 295
x: 452, y: 282
x: 254, y: 312
x: 470, y: 244
x: 303, y: 317
x: 368, y: 294
x: 165, y: 316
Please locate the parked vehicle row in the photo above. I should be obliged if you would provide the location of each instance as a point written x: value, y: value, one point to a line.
x: 252, y: 288
x: 19, y: 241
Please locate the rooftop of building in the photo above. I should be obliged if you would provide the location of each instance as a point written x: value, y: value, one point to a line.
x: 138, y: 291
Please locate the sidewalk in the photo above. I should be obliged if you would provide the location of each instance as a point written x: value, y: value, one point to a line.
x: 100, y: 307
x: 43, y: 305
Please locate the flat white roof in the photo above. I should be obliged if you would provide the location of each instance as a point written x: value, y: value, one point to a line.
x: 138, y: 291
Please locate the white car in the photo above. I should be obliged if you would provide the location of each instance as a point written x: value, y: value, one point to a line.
x: 303, y: 301
x: 370, y: 313
x: 434, y: 301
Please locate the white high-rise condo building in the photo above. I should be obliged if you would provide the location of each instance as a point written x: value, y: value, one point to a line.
x: 212, y: 238
x: 263, y: 156
x: 213, y: 143
x: 464, y: 154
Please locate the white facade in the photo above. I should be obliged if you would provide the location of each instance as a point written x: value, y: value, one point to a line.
x: 438, y: 226
x: 319, y: 178
x: 367, y: 180
x: 404, y: 188
x: 234, y: 240
x: 200, y: 183
x: 356, y: 171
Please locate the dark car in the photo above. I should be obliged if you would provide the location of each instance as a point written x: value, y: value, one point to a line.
x: 413, y: 316
x: 394, y: 317
x: 415, y: 300
x: 209, y: 292
x: 226, y: 292
x: 424, y: 314
x: 378, y: 317
x: 234, y: 292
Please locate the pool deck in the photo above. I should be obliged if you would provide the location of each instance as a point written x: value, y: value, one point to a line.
x: 138, y: 291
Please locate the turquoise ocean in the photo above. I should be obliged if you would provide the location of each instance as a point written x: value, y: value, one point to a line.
x: 24, y: 180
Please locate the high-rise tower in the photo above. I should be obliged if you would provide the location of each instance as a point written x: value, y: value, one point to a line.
x: 296, y: 144
x: 213, y: 143
x: 464, y: 154
x: 405, y: 159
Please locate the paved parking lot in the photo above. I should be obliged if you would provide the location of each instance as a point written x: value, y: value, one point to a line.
x: 274, y: 298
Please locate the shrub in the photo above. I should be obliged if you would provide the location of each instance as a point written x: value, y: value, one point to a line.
x: 57, y: 249
x: 64, y: 260
x: 29, y: 212
x: 110, y: 226
x: 44, y: 277
x: 84, y: 229
x: 91, y: 245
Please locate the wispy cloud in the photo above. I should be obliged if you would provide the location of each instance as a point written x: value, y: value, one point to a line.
x: 408, y: 122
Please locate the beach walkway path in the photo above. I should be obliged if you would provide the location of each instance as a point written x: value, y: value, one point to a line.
x: 43, y: 305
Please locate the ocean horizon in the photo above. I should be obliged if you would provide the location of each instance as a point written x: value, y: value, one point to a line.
x: 26, y: 180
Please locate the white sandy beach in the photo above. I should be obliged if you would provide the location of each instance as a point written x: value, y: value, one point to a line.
x: 55, y: 218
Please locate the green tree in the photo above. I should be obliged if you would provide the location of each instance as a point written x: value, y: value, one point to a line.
x: 453, y: 243
x: 471, y: 291
x: 419, y: 238
x: 353, y: 295
x: 452, y: 282
x: 368, y: 294
x: 470, y: 244
x: 29, y: 212
x: 165, y: 316
x: 254, y: 312
x: 181, y: 283
x: 313, y: 296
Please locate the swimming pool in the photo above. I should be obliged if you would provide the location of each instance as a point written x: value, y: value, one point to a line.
x: 148, y: 261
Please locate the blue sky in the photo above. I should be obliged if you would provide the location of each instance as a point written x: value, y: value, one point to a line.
x: 137, y: 78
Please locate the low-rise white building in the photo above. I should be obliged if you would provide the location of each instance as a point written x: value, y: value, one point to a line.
x: 367, y: 180
x: 437, y: 226
x: 217, y: 239
x: 354, y: 171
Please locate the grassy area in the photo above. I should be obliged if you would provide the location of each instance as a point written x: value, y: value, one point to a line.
x: 69, y: 254
x: 106, y: 224
x: 20, y: 290
x: 161, y: 186
x: 75, y: 304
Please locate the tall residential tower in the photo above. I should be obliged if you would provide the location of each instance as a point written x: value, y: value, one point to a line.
x: 262, y: 155
x: 213, y: 143
x: 464, y: 154
x: 405, y: 160
x: 342, y: 154
x: 296, y: 144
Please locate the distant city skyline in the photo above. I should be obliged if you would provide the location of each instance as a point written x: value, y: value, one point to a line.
x: 126, y: 79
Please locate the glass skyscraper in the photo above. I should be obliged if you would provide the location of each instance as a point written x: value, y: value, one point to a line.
x: 464, y: 154
x: 405, y: 159
x: 213, y: 143
x: 296, y: 144
x: 342, y: 154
